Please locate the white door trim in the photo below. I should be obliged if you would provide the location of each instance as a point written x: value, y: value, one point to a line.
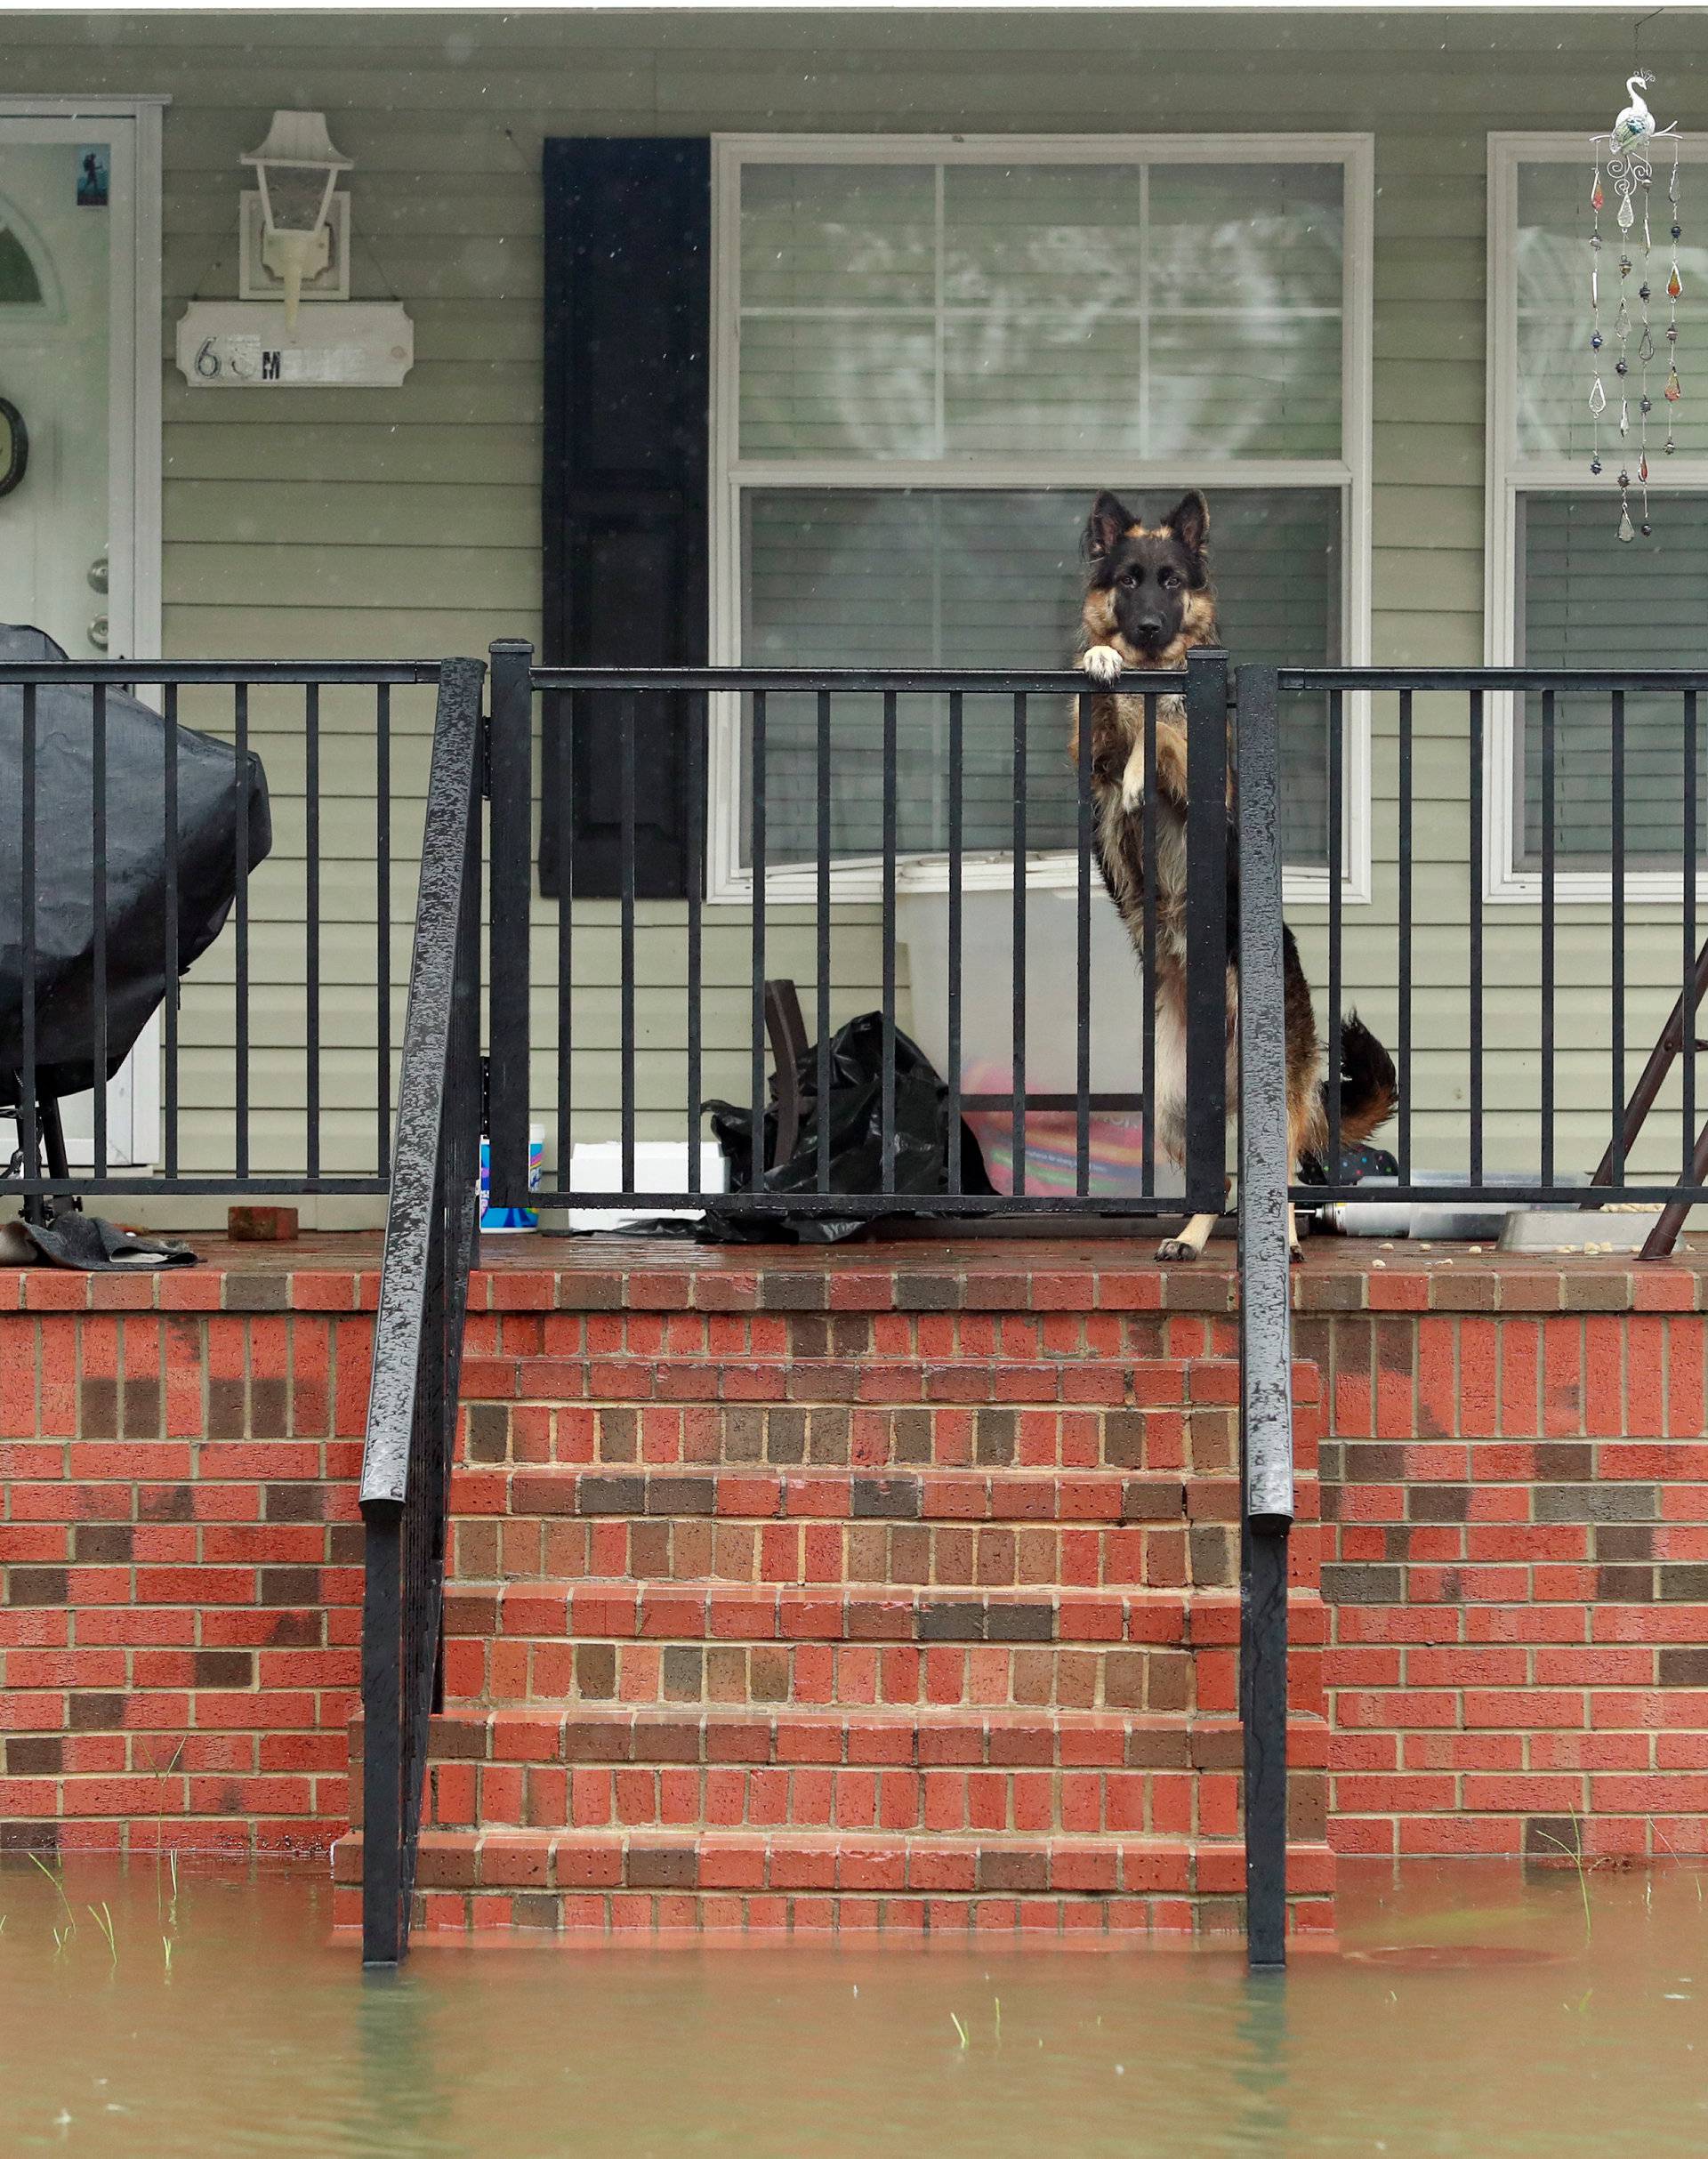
x: 134, y: 394
x: 136, y: 380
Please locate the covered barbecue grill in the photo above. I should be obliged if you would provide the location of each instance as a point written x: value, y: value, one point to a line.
x: 153, y: 848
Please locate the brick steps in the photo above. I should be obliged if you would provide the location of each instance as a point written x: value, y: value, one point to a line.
x: 1143, y: 1648
x: 1048, y: 1773
x: 834, y: 1494
x: 1112, y: 1381
x: 967, y: 1527
x: 649, y: 1878
x: 919, y: 1613
x: 874, y: 1436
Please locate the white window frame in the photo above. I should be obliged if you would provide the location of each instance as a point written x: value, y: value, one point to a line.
x: 732, y: 476
x: 1509, y: 479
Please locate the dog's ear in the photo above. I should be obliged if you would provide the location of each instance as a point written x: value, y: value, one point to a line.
x: 1109, y: 519
x: 1189, y: 520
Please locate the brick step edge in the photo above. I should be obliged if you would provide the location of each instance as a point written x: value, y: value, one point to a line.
x: 608, y: 1609
x: 1099, y: 1498
x: 874, y: 1738
x: 574, y: 1861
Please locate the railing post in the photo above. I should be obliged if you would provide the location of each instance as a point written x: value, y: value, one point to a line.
x: 383, y: 1798
x: 1206, y: 916
x: 1265, y: 1324
x: 510, y: 783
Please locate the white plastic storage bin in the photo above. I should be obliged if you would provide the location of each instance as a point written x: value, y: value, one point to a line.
x: 1051, y: 1029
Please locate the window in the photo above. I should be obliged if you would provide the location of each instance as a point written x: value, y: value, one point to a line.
x: 928, y: 357
x: 1563, y: 590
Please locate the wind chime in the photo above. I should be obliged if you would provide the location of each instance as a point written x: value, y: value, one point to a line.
x: 1625, y: 152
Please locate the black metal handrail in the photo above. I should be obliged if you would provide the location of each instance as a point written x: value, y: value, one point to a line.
x: 430, y: 1245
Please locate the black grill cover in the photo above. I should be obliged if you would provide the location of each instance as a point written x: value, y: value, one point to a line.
x: 209, y: 799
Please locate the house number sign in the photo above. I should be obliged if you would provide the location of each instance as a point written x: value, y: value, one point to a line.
x: 346, y: 344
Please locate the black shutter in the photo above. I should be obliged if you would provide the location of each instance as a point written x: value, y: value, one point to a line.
x: 628, y: 286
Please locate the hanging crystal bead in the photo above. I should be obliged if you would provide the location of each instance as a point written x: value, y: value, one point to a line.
x: 1625, y: 531
x: 1599, y: 397
x: 1674, y: 388
x: 1646, y: 529
x: 1646, y: 346
x: 1627, y: 215
x: 1595, y: 465
x: 1596, y: 196
x: 1621, y: 321
x: 1675, y: 285
x: 1642, y: 469
x: 1625, y: 417
x: 1595, y: 341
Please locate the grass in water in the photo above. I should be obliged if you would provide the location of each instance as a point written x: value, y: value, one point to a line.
x: 103, y: 1919
x: 960, y: 2027
x: 1577, y: 1858
x: 166, y: 1943
x: 56, y: 1875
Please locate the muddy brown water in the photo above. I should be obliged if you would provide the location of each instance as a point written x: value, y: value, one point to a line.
x: 1468, y: 2010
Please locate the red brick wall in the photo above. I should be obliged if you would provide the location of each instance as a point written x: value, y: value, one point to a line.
x: 1516, y: 1562
x: 180, y: 1557
x: 1514, y: 1566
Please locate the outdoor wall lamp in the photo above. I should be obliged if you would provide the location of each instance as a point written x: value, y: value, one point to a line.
x: 297, y: 167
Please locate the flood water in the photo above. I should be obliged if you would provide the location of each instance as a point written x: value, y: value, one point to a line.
x: 1468, y: 2012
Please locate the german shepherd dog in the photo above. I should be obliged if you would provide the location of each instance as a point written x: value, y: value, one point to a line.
x: 1149, y: 600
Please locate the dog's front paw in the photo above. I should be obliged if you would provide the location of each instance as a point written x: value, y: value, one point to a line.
x: 1132, y: 784
x: 1103, y: 663
x: 1176, y: 1248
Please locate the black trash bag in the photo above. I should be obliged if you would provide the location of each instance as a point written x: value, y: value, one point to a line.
x: 856, y: 1113
x: 208, y: 791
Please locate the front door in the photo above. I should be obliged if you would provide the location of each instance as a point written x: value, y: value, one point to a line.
x: 68, y: 514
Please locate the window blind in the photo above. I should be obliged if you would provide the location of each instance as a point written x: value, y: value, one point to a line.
x: 1590, y: 600
x: 948, y: 578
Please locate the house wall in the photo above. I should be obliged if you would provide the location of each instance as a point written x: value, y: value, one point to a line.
x: 407, y: 521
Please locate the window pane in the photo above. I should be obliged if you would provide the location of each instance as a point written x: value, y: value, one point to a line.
x: 1554, y: 370
x: 1591, y: 601
x: 981, y: 310
x: 922, y: 578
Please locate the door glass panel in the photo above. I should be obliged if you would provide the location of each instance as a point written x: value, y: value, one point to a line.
x: 54, y: 355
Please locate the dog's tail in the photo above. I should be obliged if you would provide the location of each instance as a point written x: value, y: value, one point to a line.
x: 1369, y: 1085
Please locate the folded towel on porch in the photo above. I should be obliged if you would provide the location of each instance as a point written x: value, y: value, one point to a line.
x: 88, y: 1244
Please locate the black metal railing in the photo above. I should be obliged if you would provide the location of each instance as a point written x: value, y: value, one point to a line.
x: 1024, y: 720
x: 429, y: 1245
x: 1484, y: 1122
x: 275, y: 1050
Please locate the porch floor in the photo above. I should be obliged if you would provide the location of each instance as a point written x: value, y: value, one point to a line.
x: 339, y: 1271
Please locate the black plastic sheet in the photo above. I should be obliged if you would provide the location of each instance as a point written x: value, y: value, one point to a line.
x: 854, y: 1110
x: 212, y: 794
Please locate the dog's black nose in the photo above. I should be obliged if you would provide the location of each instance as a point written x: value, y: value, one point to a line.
x: 1150, y: 625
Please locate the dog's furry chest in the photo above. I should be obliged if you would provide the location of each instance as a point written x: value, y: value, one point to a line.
x: 1117, y: 748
